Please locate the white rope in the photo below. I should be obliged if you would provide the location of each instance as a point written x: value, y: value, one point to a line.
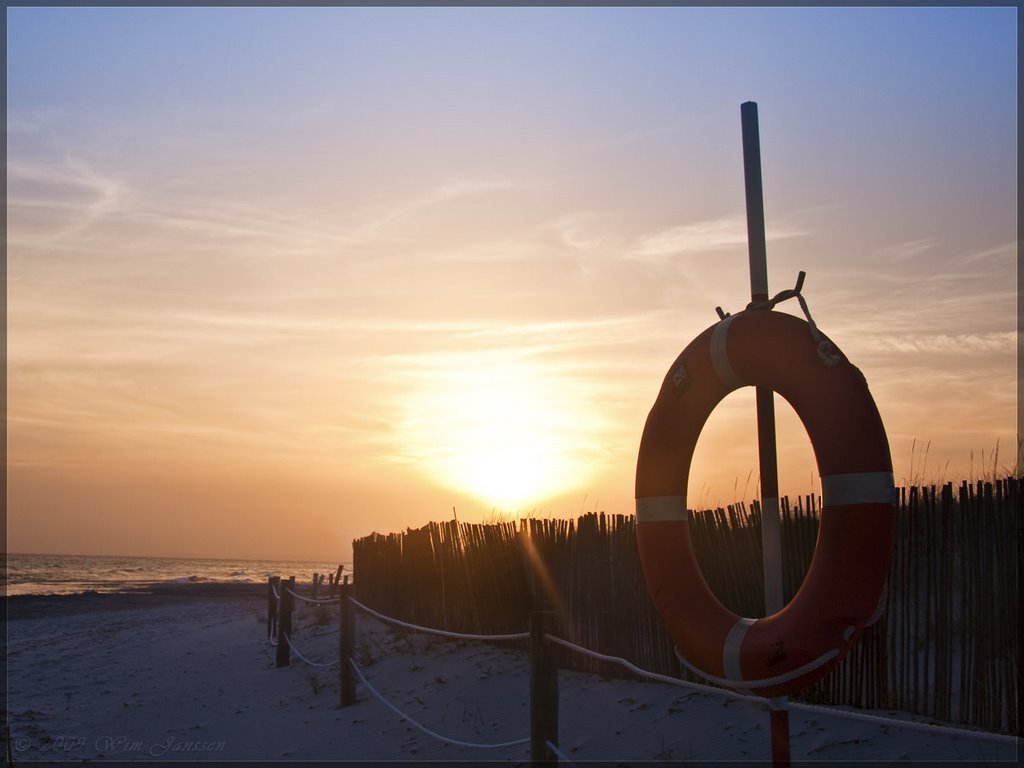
x: 311, y: 663
x: 783, y: 678
x: 653, y: 675
x: 912, y: 724
x: 313, y: 600
x: 276, y: 596
x: 422, y: 727
x: 813, y: 709
x: 826, y: 352
x: 441, y: 632
x: 558, y: 753
x: 720, y: 692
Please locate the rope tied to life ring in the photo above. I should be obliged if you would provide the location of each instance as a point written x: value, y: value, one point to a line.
x: 827, y: 353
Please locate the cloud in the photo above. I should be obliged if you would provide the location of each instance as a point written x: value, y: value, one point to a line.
x: 701, y: 237
x: 216, y: 220
x: 57, y: 193
x: 444, y: 192
x: 575, y: 231
x: 306, y: 325
x: 571, y: 344
x: 942, y: 343
x: 994, y: 254
x: 909, y: 249
x: 70, y: 195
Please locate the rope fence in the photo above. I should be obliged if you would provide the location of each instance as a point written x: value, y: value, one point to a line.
x: 307, y: 661
x: 654, y: 676
x: 558, y: 753
x: 423, y: 728
x: 314, y: 601
x: 810, y: 708
x: 793, y: 674
x: 439, y: 632
x: 543, y: 689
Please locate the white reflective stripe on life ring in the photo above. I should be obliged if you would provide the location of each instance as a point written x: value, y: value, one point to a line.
x: 731, y: 648
x: 653, y: 509
x: 719, y: 357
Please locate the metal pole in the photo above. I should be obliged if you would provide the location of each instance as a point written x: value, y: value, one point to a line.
x: 771, y: 529
x: 755, y: 202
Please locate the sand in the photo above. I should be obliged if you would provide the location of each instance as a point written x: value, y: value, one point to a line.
x: 187, y: 674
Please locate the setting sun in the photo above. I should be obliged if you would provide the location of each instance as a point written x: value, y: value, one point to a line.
x: 500, y: 431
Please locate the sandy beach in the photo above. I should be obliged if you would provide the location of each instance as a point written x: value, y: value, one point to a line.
x: 186, y: 673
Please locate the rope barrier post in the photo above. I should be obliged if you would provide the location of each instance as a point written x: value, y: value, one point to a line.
x: 771, y: 527
x: 346, y: 644
x: 284, y: 623
x: 273, y: 585
x: 543, y: 691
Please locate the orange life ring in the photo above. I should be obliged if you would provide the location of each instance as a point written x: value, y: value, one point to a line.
x: 778, y: 654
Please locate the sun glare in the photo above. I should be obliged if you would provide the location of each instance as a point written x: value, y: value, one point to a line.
x: 502, y: 434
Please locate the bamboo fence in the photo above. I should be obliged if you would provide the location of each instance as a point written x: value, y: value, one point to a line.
x: 946, y: 647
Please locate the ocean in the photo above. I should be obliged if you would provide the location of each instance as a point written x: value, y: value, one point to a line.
x: 74, y: 574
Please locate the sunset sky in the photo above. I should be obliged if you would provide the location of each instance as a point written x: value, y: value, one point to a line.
x: 278, y: 278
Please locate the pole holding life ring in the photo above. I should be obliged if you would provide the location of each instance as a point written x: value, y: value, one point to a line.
x: 792, y: 648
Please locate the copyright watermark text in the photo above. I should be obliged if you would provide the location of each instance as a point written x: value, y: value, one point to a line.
x: 116, y: 745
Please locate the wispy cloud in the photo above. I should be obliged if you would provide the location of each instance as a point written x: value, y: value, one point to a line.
x: 71, y: 194
x: 308, y: 325
x: 570, y: 343
x: 56, y: 193
x: 76, y: 208
x: 999, y: 252
x: 702, y: 237
x: 444, y: 192
x: 578, y: 232
x: 942, y: 343
x: 909, y: 249
x: 219, y: 221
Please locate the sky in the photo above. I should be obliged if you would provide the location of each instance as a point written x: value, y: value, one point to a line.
x: 281, y: 277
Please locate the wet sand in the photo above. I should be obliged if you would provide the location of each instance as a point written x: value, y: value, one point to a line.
x: 39, y: 606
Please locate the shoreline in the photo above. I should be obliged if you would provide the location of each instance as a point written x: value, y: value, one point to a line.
x: 17, y: 607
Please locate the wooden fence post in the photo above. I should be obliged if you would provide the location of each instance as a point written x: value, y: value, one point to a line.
x: 346, y: 644
x: 336, y: 581
x: 284, y: 623
x: 316, y: 583
x: 273, y: 585
x: 543, y: 691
